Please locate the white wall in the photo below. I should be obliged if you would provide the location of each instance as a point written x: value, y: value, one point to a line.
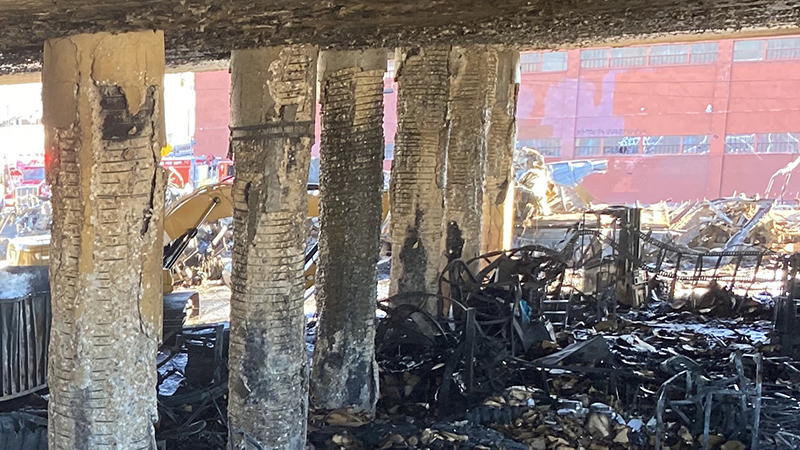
x: 179, y: 106
x: 26, y: 142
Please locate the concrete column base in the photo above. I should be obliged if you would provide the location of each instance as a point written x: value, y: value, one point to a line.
x: 272, y: 124
x: 351, y: 159
x: 104, y: 129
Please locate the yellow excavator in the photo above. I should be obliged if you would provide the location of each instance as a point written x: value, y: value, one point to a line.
x: 209, y: 204
x: 181, y: 223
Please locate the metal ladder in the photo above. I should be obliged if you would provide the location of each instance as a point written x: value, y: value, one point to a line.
x: 556, y: 311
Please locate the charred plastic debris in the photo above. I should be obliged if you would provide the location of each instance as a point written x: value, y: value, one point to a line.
x: 609, y: 338
x: 612, y: 338
x: 192, y: 389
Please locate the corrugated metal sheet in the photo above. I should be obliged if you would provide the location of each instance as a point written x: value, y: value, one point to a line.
x: 25, y: 336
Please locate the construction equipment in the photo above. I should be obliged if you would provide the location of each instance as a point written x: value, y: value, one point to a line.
x: 212, y: 203
x: 182, y: 221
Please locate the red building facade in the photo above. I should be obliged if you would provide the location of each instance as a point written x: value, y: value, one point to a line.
x: 676, y: 121
x: 213, y: 112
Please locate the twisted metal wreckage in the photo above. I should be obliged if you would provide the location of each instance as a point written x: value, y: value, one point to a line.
x: 594, y: 322
x: 588, y: 344
x: 612, y: 338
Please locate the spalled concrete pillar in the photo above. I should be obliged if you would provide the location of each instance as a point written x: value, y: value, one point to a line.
x: 417, y: 190
x: 498, y: 195
x: 351, y: 155
x: 104, y: 128
x: 272, y: 126
x: 472, y: 78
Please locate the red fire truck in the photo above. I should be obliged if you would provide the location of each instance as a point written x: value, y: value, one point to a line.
x: 194, y: 170
x: 25, y: 185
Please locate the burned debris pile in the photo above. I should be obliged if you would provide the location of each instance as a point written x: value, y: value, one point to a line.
x: 610, y: 339
x: 192, y: 389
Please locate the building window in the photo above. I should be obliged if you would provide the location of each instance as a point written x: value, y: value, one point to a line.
x: 550, y: 147
x: 665, y: 55
x: 389, y: 69
x: 621, y: 145
x: 628, y: 57
x: 696, y: 145
x: 588, y: 146
x: 661, y: 145
x: 543, y: 62
x: 388, y: 151
x: 704, y: 53
x: 740, y: 143
x: 783, y: 48
x: 776, y: 143
x: 748, y: 50
x: 594, y: 59
x: 554, y: 62
x: 530, y: 62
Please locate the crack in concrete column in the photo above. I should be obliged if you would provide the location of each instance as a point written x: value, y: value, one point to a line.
x: 272, y: 124
x: 351, y: 156
x: 417, y: 190
x: 104, y: 128
x: 472, y: 78
x: 498, y: 195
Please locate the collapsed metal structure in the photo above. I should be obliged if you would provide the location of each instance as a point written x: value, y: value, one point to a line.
x: 532, y: 300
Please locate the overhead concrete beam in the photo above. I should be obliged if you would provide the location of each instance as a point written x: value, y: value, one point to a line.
x: 21, y: 78
x: 198, y: 29
x: 194, y: 67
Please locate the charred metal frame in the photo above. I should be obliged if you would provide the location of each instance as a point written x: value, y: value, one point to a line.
x: 700, y: 393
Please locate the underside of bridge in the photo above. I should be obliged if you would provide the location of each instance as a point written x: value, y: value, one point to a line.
x: 102, y: 64
x: 196, y: 30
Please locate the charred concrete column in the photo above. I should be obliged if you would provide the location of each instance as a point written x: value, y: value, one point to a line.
x: 472, y: 78
x: 498, y: 195
x: 417, y: 190
x: 272, y: 130
x: 104, y: 128
x: 351, y: 158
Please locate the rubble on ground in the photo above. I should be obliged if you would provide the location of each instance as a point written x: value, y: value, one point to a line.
x: 533, y: 350
x: 610, y: 339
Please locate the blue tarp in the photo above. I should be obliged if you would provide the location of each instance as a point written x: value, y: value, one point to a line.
x: 571, y: 173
